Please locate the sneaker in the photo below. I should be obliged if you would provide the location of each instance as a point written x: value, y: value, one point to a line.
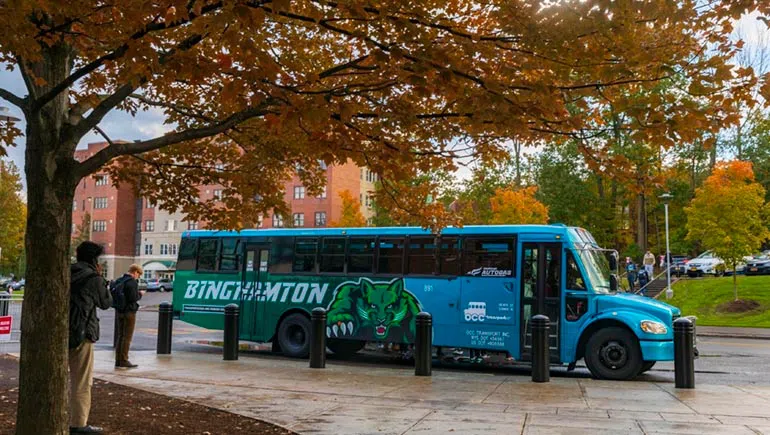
x: 126, y: 365
x: 86, y: 429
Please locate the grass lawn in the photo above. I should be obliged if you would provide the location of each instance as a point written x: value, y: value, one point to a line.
x: 700, y: 297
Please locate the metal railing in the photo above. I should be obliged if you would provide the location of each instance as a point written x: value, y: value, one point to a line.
x: 10, y: 305
x: 673, y: 279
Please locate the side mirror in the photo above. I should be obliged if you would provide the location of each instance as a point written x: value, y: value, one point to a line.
x: 613, y: 282
x: 613, y: 261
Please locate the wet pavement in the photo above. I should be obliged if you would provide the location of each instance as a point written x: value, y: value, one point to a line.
x: 353, y: 398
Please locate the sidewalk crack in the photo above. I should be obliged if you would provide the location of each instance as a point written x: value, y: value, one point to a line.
x: 433, y: 411
x: 676, y: 398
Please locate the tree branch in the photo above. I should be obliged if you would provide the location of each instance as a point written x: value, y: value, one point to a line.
x: 12, y: 98
x: 120, y: 149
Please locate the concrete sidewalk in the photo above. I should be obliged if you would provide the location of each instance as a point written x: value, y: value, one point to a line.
x: 347, y: 398
x: 730, y: 332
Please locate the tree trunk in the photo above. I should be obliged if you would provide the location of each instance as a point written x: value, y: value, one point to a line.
x: 49, y: 168
x: 735, y: 282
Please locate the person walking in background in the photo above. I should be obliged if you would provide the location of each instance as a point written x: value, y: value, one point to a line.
x: 88, y: 290
x: 630, y: 273
x: 126, y: 296
x: 649, y: 264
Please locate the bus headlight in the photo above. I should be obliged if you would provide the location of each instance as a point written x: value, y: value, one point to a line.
x: 653, y: 327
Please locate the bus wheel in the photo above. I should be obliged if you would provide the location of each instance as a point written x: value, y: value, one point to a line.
x: 646, y: 366
x: 294, y: 336
x: 613, y: 353
x: 345, y: 348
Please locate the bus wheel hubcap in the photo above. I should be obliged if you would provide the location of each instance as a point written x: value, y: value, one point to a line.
x: 296, y: 335
x: 613, y: 355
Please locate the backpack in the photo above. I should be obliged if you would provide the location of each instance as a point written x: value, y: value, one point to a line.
x: 118, y: 295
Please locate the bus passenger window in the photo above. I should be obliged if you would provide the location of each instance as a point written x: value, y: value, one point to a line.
x: 188, y: 251
x: 230, y: 258
x: 391, y: 256
x: 305, y: 255
x: 361, y: 255
x: 574, y: 277
x: 281, y: 254
x: 333, y: 255
x: 422, y: 256
x: 207, y: 254
x: 449, y: 256
x: 488, y: 257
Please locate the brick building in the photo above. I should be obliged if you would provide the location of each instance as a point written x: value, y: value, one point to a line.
x: 135, y: 230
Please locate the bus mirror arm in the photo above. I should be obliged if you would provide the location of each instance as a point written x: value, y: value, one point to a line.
x: 613, y: 282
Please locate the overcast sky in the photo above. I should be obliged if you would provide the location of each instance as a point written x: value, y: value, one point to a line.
x: 121, y: 125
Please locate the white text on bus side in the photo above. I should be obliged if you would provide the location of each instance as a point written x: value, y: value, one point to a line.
x: 273, y: 292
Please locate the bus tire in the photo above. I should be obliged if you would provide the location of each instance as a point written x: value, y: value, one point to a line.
x: 345, y: 348
x: 614, y: 354
x: 646, y: 366
x: 294, y: 336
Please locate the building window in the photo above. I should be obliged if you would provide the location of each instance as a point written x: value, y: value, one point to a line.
x: 74, y: 204
x: 100, y: 202
x: 277, y: 221
x: 148, y: 203
x: 149, y: 225
x: 299, y: 192
x: 172, y: 249
x: 148, y: 249
x: 147, y: 274
x: 260, y: 221
x: 320, y: 218
x: 219, y: 167
x: 100, y: 226
x: 101, y: 180
x: 138, y: 227
x: 74, y: 228
x: 192, y: 225
x: 138, y: 250
x: 362, y: 174
x: 299, y: 219
x: 218, y: 193
x: 163, y: 249
x: 171, y: 225
x: 323, y: 193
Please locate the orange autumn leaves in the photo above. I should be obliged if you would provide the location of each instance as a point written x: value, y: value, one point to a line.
x: 517, y: 206
x: 351, y: 212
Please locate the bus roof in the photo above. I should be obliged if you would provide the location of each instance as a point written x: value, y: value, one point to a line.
x: 382, y: 231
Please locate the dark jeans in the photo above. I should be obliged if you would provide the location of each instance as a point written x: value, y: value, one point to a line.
x: 126, y: 324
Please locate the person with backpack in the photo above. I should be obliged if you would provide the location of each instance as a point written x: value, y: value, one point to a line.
x: 126, y: 295
x: 88, y: 290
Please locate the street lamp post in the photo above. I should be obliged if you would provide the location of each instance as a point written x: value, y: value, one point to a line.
x: 666, y: 197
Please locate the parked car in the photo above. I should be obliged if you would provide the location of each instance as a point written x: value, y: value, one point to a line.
x: 142, y: 284
x: 705, y: 264
x: 15, y: 286
x: 163, y: 284
x: 679, y: 264
x: 758, y: 266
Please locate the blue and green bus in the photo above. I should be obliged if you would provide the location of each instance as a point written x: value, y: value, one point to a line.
x: 481, y: 284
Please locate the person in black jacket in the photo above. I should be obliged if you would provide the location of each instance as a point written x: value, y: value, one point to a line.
x: 88, y: 290
x: 126, y: 314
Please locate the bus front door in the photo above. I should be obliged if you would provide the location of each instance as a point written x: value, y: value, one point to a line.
x: 540, y: 293
x: 252, y: 306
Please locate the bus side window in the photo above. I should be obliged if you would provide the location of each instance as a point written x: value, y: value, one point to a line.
x: 281, y: 255
x: 575, y: 279
x: 188, y: 251
x: 360, y: 255
x: 421, y: 259
x: 207, y: 255
x: 333, y: 255
x: 230, y: 258
x: 305, y: 255
x: 488, y: 257
x: 449, y: 256
x: 391, y: 256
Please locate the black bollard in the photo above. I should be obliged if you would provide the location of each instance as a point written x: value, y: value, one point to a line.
x: 423, y: 344
x: 165, y: 325
x: 5, y: 303
x: 318, y: 338
x: 684, y: 354
x: 231, y: 332
x: 540, y: 352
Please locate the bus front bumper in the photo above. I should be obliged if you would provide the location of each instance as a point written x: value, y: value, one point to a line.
x: 660, y: 350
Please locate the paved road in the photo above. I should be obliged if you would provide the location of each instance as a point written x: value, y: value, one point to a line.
x: 723, y: 360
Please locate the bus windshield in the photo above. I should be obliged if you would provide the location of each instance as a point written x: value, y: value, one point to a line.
x: 598, y: 269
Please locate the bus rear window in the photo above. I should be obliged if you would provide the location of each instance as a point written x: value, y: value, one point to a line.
x: 333, y: 255
x: 488, y: 257
x: 207, y: 255
x: 391, y: 256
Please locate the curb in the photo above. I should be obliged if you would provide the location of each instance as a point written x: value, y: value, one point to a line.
x: 732, y: 335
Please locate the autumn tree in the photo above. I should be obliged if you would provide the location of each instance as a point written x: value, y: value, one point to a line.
x: 728, y: 214
x: 253, y: 89
x: 13, y: 217
x: 350, y: 216
x: 517, y: 206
